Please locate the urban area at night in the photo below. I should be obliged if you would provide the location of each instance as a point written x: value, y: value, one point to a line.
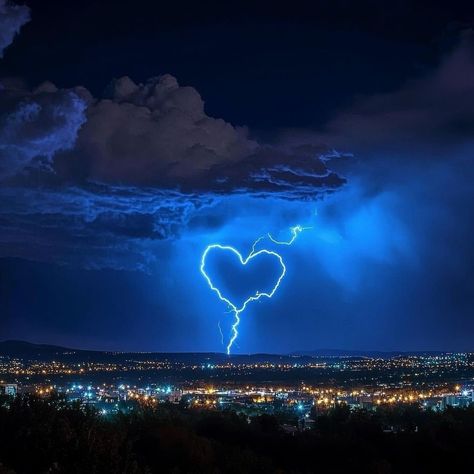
x: 292, y: 385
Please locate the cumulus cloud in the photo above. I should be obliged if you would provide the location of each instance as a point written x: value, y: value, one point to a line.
x: 12, y: 18
x: 155, y: 134
x: 158, y: 134
x: 35, y: 125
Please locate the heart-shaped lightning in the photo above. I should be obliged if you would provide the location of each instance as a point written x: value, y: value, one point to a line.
x: 295, y: 230
x: 243, y: 261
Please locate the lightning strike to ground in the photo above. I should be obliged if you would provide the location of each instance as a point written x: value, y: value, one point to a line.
x: 253, y: 253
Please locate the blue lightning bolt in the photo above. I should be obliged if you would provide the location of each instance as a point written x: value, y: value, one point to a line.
x: 237, y: 310
x: 297, y: 229
x: 220, y: 330
x: 253, y: 253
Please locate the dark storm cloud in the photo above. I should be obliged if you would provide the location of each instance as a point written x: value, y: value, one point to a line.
x: 158, y: 134
x: 433, y: 110
x: 97, y: 181
x: 12, y: 18
x: 35, y: 125
x: 155, y: 133
x: 92, y: 226
x: 160, y: 158
x: 407, y: 215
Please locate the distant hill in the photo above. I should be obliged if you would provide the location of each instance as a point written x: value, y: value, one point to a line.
x: 23, y: 349
x: 28, y: 350
x: 45, y: 352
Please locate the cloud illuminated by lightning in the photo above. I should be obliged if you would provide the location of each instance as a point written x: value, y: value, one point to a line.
x: 253, y: 253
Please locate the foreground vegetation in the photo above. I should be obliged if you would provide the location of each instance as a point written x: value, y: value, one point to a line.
x: 50, y: 436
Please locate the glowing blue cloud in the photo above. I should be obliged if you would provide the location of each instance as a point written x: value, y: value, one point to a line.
x: 243, y: 261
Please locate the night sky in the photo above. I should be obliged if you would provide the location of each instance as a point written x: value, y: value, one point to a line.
x: 132, y: 136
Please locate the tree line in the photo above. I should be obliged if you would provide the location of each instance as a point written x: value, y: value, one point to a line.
x: 40, y: 435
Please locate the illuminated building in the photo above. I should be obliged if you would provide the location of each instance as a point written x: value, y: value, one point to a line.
x: 10, y: 389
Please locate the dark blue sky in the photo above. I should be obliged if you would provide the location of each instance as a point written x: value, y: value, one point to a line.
x: 110, y: 193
